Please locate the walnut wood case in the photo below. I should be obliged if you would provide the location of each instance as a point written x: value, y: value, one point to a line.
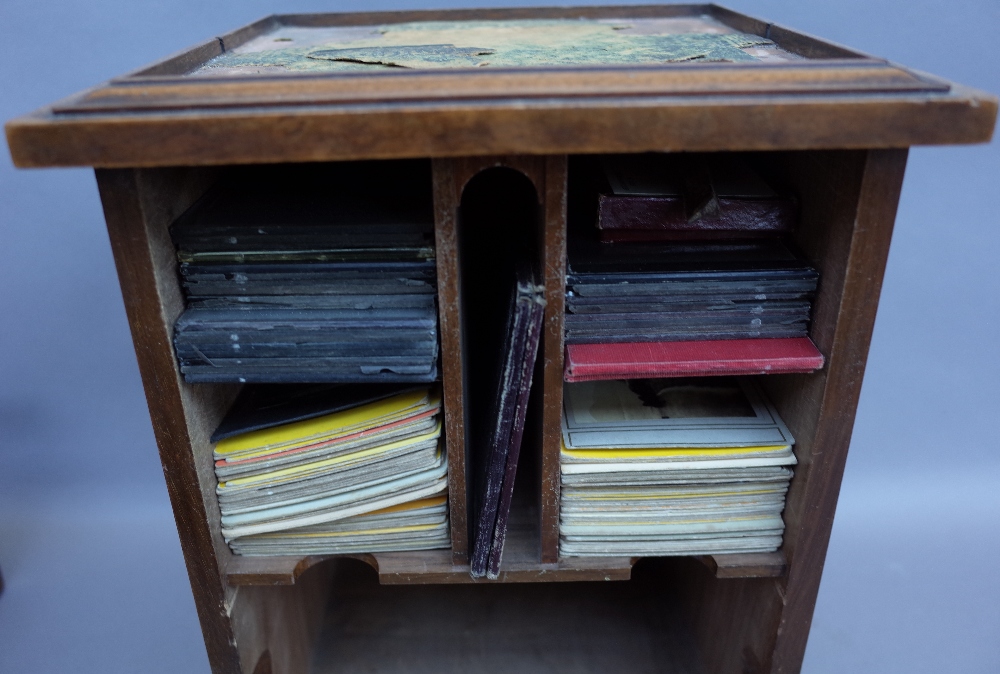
x: 834, y: 125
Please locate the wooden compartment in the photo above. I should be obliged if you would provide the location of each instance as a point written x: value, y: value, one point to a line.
x: 848, y: 201
x: 833, y: 123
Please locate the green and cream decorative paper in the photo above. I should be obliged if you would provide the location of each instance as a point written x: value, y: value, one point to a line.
x: 498, y: 44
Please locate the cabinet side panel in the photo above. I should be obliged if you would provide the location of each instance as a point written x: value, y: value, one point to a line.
x: 848, y: 203
x: 138, y: 216
x: 813, y: 497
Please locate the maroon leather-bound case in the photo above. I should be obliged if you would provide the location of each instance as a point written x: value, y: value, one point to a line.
x: 590, y: 362
x: 670, y: 197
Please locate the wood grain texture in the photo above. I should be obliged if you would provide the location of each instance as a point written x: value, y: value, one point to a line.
x: 748, y: 616
x: 188, y: 60
x: 278, y: 570
x: 449, y: 287
x: 138, y: 209
x: 848, y: 201
x: 279, y: 625
x: 436, y: 567
x: 734, y: 620
x: 552, y: 352
x: 456, y: 128
x: 746, y: 565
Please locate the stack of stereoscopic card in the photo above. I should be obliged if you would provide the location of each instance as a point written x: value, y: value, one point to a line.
x: 369, y: 475
x: 310, y: 274
x: 686, y: 291
x: 672, y: 467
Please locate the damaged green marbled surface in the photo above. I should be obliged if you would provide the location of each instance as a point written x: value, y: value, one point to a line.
x: 488, y: 43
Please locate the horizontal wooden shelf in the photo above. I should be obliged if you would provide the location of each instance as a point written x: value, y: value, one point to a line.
x: 436, y: 567
x: 430, y: 567
x: 748, y: 565
x: 521, y: 563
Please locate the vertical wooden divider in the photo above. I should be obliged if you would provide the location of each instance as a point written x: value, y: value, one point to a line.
x: 554, y: 261
x: 548, y: 174
x: 449, y: 287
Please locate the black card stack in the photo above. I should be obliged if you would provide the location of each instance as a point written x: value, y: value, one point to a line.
x: 679, y: 291
x: 310, y: 273
x: 510, y: 405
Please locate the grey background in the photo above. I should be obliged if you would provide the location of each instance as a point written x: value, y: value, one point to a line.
x: 95, y: 578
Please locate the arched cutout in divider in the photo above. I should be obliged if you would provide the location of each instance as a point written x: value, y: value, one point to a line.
x: 547, y: 178
x: 499, y: 225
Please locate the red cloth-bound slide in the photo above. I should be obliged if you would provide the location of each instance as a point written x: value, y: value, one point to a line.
x: 588, y: 362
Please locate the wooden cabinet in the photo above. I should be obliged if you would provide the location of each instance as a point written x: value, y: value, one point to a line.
x: 833, y: 123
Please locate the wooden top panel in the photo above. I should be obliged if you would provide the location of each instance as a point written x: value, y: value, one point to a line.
x: 516, y: 81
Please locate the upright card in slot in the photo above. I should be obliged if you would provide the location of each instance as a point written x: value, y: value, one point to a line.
x: 516, y: 364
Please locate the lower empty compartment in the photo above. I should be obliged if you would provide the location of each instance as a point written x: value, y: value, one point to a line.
x: 636, y: 626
